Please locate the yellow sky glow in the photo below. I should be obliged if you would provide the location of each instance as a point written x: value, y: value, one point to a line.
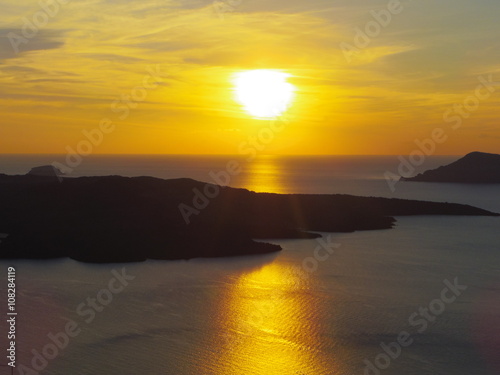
x: 164, y: 74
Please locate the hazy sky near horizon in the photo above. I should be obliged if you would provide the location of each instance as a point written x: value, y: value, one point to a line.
x: 91, y: 58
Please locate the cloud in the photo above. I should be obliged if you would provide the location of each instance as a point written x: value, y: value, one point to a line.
x: 111, y: 57
x: 13, y: 44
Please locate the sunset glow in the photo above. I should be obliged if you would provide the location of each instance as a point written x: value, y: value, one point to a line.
x: 178, y: 78
x: 265, y: 94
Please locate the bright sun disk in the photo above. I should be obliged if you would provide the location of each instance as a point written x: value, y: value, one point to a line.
x: 264, y: 94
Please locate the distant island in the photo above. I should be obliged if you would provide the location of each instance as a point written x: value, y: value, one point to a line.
x: 120, y: 219
x: 476, y: 168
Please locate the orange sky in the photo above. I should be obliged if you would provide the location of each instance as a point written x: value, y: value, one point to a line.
x: 160, y: 74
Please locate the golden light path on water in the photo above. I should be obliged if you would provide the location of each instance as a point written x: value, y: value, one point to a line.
x: 263, y: 174
x: 271, y: 319
x: 270, y: 324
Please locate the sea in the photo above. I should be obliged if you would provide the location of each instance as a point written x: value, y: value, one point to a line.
x: 422, y: 298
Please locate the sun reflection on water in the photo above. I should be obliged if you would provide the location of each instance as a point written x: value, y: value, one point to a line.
x: 268, y: 324
x: 264, y: 175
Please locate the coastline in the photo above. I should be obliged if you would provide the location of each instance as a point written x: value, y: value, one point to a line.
x: 123, y: 219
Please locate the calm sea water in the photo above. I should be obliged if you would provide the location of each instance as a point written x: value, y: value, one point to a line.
x: 288, y: 313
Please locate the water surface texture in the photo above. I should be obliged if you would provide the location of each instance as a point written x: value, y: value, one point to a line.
x: 316, y: 308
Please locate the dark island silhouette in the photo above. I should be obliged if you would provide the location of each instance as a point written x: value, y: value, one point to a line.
x: 120, y: 219
x: 475, y: 168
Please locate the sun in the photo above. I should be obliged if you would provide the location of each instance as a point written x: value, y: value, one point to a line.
x: 265, y: 94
